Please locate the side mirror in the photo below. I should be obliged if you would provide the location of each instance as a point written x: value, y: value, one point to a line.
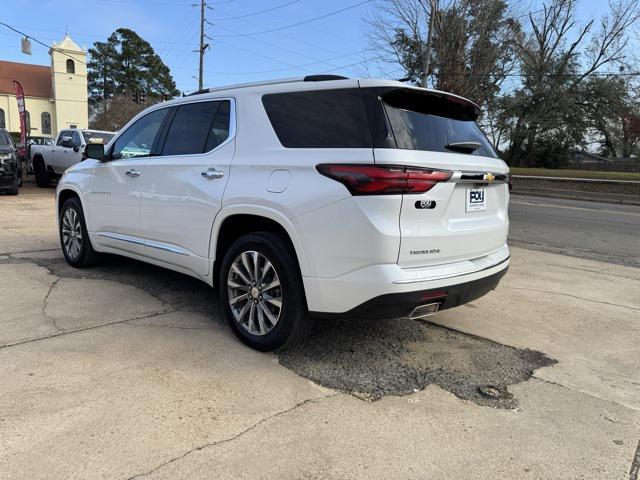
x: 94, y: 150
x: 76, y: 148
x: 67, y: 142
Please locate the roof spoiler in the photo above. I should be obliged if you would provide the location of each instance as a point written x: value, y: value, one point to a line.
x: 432, y: 102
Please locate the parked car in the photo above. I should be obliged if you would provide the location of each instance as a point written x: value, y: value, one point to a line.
x: 24, y: 151
x: 300, y: 199
x: 10, y: 166
x: 49, y: 161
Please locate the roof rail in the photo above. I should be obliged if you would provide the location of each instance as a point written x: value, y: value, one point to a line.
x: 308, y: 78
x: 324, y: 78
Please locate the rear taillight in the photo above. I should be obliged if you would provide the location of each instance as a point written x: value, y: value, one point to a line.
x: 383, y: 180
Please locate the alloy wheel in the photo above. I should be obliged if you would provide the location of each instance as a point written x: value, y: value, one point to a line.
x: 71, y: 233
x: 254, y: 293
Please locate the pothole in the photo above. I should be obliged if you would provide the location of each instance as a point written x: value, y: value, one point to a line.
x: 372, y: 359
x: 366, y: 358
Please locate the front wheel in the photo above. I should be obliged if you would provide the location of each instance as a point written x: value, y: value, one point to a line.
x: 262, y: 294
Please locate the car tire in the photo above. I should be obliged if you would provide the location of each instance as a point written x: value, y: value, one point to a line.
x: 265, y: 316
x: 74, y: 238
x: 43, y: 179
x: 19, y: 180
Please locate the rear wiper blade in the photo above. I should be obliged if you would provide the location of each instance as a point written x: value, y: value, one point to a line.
x: 463, y: 147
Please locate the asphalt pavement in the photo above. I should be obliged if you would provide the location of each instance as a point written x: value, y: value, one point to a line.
x: 593, y: 230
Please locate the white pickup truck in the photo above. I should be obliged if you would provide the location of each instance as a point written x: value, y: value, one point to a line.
x: 50, y: 161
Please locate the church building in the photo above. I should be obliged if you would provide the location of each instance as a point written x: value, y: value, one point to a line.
x: 55, y: 96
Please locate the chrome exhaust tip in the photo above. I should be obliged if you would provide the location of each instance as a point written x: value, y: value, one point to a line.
x: 424, y: 311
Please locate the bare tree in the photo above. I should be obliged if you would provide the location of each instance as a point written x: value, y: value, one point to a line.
x: 556, y: 54
x: 401, y: 33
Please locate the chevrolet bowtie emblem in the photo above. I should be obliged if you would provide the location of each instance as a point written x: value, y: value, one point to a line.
x: 489, y: 177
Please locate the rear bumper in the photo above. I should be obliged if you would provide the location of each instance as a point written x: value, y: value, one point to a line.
x: 395, y: 305
x: 387, y: 291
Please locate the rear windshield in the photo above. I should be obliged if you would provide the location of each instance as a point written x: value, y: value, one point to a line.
x: 387, y: 117
x: 435, y: 124
x: 319, y: 118
x: 97, y: 137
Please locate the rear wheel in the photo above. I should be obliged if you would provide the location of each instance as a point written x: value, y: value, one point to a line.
x: 43, y: 179
x: 74, y: 239
x: 262, y: 294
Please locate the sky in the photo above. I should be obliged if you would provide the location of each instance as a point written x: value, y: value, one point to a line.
x: 250, y: 40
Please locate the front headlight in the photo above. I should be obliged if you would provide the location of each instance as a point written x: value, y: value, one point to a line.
x: 5, y: 157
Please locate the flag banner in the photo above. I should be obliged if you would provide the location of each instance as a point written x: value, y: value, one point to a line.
x: 22, y: 111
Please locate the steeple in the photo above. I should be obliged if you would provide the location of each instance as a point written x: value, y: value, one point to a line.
x: 69, y: 71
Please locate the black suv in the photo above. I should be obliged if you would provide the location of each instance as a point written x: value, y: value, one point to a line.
x: 10, y: 166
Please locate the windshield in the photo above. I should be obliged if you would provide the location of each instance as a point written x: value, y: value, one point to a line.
x: 434, y: 123
x: 91, y: 136
x: 5, y: 141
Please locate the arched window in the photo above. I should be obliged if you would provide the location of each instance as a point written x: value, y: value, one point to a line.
x: 71, y: 67
x: 45, y: 118
x: 2, y: 124
x: 27, y: 117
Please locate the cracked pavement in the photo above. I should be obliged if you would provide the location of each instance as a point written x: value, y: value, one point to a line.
x: 127, y: 371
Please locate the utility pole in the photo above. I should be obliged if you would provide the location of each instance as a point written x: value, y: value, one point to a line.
x: 426, y: 54
x: 203, y: 46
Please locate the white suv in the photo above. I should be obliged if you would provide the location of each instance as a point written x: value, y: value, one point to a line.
x: 301, y: 198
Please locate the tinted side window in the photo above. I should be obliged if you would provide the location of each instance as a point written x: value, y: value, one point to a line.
x: 4, y: 138
x: 198, y: 127
x: 319, y: 118
x: 65, y: 133
x: 220, y: 127
x: 138, y: 139
x: 75, y: 139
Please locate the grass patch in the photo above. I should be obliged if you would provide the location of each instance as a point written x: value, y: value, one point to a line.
x: 549, y: 172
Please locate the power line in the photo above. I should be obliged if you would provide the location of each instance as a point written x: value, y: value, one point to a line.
x: 146, y: 3
x: 309, y: 20
x: 284, y: 69
x: 93, y: 35
x: 42, y: 43
x: 277, y: 7
x: 310, y: 27
x: 259, y: 54
x: 284, y: 35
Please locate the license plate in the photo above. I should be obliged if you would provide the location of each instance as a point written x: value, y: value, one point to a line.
x: 476, y: 200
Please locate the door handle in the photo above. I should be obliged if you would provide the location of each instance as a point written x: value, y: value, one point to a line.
x: 132, y: 173
x: 212, y: 173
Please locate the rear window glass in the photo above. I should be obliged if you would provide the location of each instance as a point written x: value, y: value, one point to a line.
x: 91, y: 136
x: 198, y: 127
x: 420, y: 129
x: 319, y: 118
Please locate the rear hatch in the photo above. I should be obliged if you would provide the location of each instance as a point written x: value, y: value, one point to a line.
x: 463, y: 218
